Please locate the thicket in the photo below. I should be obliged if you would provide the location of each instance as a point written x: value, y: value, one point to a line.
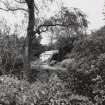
x: 83, y: 83
x: 88, y: 66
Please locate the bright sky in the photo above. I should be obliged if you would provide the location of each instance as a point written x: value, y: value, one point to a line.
x: 92, y: 8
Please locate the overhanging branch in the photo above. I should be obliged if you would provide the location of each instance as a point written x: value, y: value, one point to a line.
x: 23, y: 2
x: 38, y: 29
x: 19, y: 1
x: 56, y: 24
x: 14, y: 9
x: 36, y: 7
x: 7, y: 7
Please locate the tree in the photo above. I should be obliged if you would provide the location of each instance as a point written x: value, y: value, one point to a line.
x: 33, y: 28
x: 66, y: 36
x: 74, y: 19
x: 4, y: 28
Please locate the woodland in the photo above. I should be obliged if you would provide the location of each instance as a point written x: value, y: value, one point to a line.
x: 73, y: 76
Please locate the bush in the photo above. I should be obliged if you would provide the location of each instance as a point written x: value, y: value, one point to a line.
x: 87, y: 73
x: 20, y: 92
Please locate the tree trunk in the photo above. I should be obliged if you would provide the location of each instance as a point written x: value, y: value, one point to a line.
x: 30, y: 33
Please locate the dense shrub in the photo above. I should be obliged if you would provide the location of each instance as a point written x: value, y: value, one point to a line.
x: 87, y: 71
x: 20, y: 92
x: 64, y: 45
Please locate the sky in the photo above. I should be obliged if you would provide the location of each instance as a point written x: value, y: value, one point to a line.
x: 92, y: 8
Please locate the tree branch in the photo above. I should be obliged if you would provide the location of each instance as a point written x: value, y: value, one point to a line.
x: 13, y: 9
x: 38, y: 29
x: 52, y: 25
x: 10, y: 8
x: 19, y: 1
x: 36, y: 7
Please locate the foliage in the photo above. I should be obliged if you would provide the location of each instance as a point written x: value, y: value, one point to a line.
x: 86, y: 74
x: 11, y: 47
x: 65, y: 45
x: 37, y: 48
x: 20, y: 92
x: 68, y: 22
x: 84, y: 80
x: 68, y: 25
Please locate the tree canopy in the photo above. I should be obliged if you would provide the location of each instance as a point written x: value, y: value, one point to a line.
x: 69, y: 21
